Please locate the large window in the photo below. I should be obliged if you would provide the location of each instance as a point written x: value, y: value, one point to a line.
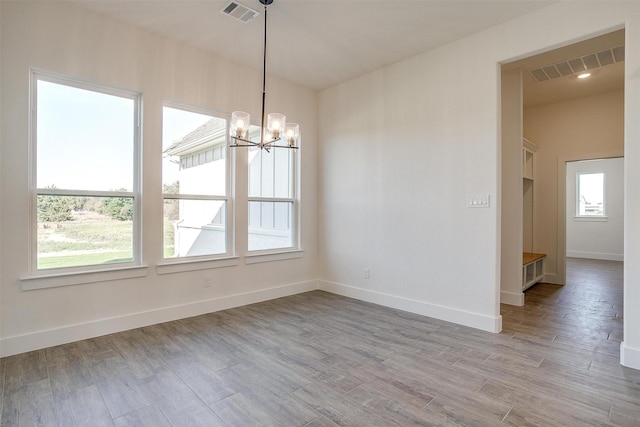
x: 272, y: 206
x: 590, y: 194
x: 86, y: 194
x: 194, y: 183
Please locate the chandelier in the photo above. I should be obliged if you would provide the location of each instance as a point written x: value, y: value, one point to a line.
x: 275, y: 132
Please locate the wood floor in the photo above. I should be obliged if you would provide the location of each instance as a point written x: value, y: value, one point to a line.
x: 318, y: 359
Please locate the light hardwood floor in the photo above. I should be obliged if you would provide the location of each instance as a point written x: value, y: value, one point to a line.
x: 318, y: 359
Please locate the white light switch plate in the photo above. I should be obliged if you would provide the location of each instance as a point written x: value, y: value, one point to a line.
x: 478, y: 201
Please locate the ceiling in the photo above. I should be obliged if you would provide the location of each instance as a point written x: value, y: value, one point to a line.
x: 603, y: 79
x: 320, y: 43
x: 317, y: 43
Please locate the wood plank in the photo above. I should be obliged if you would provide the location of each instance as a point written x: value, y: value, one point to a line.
x: 319, y: 359
x: 529, y: 257
x: 179, y: 404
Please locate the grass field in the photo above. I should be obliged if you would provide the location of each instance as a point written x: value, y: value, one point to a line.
x: 88, y: 239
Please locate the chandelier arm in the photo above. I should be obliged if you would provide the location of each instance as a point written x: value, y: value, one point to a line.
x: 246, y: 141
x: 283, y: 146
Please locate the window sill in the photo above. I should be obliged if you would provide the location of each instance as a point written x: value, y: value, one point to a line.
x: 258, y: 257
x: 169, y: 267
x: 591, y: 218
x: 53, y: 280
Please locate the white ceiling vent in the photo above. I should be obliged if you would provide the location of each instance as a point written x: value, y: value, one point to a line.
x: 579, y: 65
x: 239, y: 11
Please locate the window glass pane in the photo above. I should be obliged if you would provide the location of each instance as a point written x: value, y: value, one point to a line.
x: 270, y: 225
x: 194, y: 227
x: 85, y: 139
x: 270, y: 173
x: 591, y: 194
x: 188, y: 142
x: 77, y: 231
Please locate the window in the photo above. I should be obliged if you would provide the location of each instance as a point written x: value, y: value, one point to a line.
x: 194, y: 184
x: 272, y: 206
x: 85, y: 151
x: 590, y: 194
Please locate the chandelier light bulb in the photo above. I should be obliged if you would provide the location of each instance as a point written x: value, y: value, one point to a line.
x: 292, y: 133
x: 275, y: 124
x: 240, y: 124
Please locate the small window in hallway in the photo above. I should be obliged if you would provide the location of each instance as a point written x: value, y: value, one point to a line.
x: 590, y: 194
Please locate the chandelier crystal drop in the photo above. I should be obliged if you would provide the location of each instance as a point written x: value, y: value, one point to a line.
x: 275, y: 132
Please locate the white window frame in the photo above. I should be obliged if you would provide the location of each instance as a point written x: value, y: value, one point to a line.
x: 601, y: 217
x: 293, y: 251
x: 43, y: 278
x: 228, y: 258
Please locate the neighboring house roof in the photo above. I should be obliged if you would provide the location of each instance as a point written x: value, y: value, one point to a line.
x: 211, y: 133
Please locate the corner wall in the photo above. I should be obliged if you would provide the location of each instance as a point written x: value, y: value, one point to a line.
x: 58, y: 37
x: 403, y: 147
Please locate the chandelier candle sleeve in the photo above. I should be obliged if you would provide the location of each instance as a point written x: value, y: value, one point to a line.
x: 240, y: 124
x: 275, y: 124
x: 292, y: 133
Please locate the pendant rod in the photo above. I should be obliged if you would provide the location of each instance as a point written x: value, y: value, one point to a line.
x: 264, y: 76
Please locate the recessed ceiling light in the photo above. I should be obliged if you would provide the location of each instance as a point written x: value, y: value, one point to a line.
x: 584, y: 75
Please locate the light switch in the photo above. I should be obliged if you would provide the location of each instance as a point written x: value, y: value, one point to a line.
x: 478, y: 201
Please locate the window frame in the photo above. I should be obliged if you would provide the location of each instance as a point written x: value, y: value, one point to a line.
x: 293, y: 251
x: 600, y: 217
x: 220, y: 259
x: 136, y: 264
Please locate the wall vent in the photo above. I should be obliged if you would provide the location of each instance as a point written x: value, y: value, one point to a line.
x: 239, y: 11
x: 579, y: 65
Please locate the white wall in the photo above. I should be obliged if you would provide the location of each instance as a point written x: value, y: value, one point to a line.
x: 596, y: 239
x: 402, y: 148
x: 58, y: 37
x: 512, y: 208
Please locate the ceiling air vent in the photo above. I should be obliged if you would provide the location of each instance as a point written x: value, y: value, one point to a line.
x: 239, y: 11
x: 579, y: 65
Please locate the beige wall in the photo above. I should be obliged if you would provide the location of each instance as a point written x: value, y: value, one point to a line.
x: 584, y: 128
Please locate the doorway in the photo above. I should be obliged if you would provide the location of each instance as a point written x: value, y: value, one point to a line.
x: 595, y: 209
x: 567, y: 119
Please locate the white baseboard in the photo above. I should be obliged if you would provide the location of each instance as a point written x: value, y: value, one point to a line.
x: 629, y: 356
x: 512, y: 298
x: 552, y: 278
x: 595, y: 255
x: 474, y: 320
x: 62, y: 335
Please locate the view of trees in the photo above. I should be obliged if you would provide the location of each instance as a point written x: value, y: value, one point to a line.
x: 171, y: 206
x: 53, y: 208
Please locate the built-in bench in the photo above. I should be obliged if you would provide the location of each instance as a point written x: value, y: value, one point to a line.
x: 532, y: 268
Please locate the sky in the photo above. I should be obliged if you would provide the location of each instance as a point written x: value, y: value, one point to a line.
x: 85, y: 138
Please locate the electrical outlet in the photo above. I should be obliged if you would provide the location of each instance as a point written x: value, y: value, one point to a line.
x: 207, y: 281
x: 367, y: 273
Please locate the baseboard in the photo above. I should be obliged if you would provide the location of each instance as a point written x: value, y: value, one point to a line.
x: 629, y: 356
x: 512, y: 298
x: 595, y: 255
x: 62, y: 335
x: 552, y: 278
x: 474, y: 320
